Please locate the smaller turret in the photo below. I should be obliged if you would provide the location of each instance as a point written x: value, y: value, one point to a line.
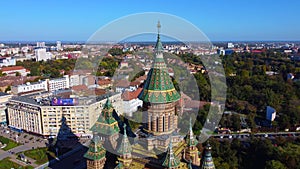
x: 171, y: 161
x: 124, y: 151
x: 96, y: 154
x: 207, y: 161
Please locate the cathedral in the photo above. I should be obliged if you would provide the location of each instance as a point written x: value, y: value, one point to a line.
x: 159, y: 144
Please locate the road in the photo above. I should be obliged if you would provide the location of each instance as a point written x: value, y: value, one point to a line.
x: 256, y: 135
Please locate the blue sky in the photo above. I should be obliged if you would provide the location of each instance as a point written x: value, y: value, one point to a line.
x: 225, y: 20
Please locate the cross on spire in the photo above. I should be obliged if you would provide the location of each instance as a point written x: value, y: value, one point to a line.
x: 158, y: 26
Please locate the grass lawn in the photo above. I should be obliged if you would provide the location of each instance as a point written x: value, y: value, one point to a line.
x: 41, y: 155
x: 7, y: 164
x: 9, y: 143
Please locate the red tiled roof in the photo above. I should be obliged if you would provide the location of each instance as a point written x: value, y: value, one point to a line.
x: 104, y: 82
x: 15, y: 80
x: 142, y: 78
x: 12, y: 68
x: 123, y: 83
x: 80, y: 72
x: 127, y: 95
x: 80, y: 88
x: 135, y: 83
x: 99, y: 92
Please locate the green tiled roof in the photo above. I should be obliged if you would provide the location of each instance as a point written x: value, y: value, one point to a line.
x: 171, y: 161
x: 125, y: 146
x: 190, y: 165
x: 158, y: 87
x: 104, y: 129
x: 106, y: 123
x: 119, y: 166
x: 96, y: 150
x: 158, y: 45
x: 108, y: 104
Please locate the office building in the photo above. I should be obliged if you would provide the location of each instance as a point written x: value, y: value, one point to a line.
x: 44, y: 117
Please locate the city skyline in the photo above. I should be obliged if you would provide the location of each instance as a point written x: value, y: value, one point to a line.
x: 222, y: 21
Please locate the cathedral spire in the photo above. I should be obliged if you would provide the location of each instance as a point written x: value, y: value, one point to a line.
x: 125, y: 150
x: 158, y: 46
x: 191, y: 151
x: 171, y: 160
x: 125, y: 147
x: 207, y: 162
x: 191, y: 140
x: 190, y: 165
x: 159, y: 87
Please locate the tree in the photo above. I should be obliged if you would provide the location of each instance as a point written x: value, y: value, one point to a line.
x: 274, y: 164
x: 8, y: 88
x: 1, y: 73
x: 236, y: 122
x: 115, y: 51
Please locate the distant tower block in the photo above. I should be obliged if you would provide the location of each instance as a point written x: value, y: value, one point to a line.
x: 95, y: 155
x: 159, y: 96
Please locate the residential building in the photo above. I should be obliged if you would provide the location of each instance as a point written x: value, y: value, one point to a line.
x: 59, y: 83
x: 230, y: 45
x: 11, y: 71
x: 75, y: 80
x: 58, y: 46
x: 40, y: 44
x: 30, y: 87
x: 124, y: 85
x: 104, y: 83
x: 7, y: 61
x: 44, y: 117
x: 42, y: 55
x: 4, y: 98
x: 131, y: 102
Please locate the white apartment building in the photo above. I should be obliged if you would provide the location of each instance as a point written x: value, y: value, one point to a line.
x: 41, y: 118
x: 74, y: 80
x: 7, y: 61
x: 42, y: 55
x: 24, y: 114
x: 59, y: 83
x: 40, y: 44
x: 4, y: 98
x: 45, y: 85
x: 58, y: 46
x: 30, y: 87
x: 131, y: 102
